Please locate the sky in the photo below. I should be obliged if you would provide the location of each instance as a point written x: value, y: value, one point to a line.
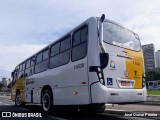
x: 27, y: 26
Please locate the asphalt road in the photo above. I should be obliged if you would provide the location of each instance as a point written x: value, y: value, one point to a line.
x: 115, y: 112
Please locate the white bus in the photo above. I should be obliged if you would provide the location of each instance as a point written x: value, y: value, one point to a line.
x: 97, y: 62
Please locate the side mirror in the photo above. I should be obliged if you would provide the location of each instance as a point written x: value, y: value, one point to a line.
x: 104, y: 59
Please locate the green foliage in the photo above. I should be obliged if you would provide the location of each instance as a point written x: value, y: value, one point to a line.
x: 1, y: 85
x: 153, y: 92
x: 153, y: 75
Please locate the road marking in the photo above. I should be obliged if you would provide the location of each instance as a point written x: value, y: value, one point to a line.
x: 114, y: 110
x: 0, y: 102
x: 108, y: 104
x: 23, y: 108
x: 7, y: 104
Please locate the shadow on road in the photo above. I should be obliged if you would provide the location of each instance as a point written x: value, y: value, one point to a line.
x: 66, y: 113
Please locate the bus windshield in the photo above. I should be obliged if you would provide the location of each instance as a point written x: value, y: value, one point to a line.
x: 117, y: 35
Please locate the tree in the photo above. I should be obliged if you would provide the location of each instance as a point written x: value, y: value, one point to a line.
x: 9, y: 85
x: 152, y: 75
x: 1, y: 86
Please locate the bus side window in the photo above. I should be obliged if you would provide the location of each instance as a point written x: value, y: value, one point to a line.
x: 64, y: 56
x: 79, y: 51
x: 55, y: 49
x: 76, y: 38
x: 21, y: 70
x: 42, y: 61
x: 39, y: 58
x: 30, y: 66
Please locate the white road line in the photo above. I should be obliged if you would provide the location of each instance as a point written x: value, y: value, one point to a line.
x: 108, y: 104
x: 114, y: 110
x: 0, y: 102
x: 7, y: 104
x: 23, y: 108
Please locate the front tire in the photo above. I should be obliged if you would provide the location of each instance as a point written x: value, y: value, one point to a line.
x: 47, y: 101
x: 18, y: 101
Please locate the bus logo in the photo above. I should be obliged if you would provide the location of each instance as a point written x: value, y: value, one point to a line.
x: 126, y: 73
x: 112, y: 65
x: 109, y: 81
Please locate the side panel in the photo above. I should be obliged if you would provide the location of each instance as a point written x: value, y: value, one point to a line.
x: 33, y: 89
x: 68, y: 85
x: 69, y: 82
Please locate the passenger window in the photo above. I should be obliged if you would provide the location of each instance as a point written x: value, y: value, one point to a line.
x: 65, y: 44
x: 80, y: 50
x: 63, y: 57
x: 21, y: 70
x: 32, y: 61
x: 84, y: 34
x: 60, y: 59
x: 45, y: 54
x: 28, y: 63
x: 76, y: 38
x: 23, y: 66
x: 39, y: 58
x: 20, y: 67
x: 42, y: 63
x: 30, y: 67
x: 55, y: 49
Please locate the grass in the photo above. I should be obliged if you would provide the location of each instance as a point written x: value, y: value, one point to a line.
x: 153, y: 92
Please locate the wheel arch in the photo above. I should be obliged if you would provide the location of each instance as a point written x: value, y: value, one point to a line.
x: 18, y: 90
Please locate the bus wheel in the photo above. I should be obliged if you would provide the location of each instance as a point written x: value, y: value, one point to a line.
x: 47, y: 101
x: 18, y: 101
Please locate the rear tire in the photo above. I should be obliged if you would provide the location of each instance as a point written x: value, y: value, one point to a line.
x: 47, y: 101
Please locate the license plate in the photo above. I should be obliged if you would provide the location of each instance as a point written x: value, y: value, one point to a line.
x: 125, y: 83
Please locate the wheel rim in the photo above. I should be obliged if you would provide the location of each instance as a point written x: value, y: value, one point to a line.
x: 46, y: 102
x: 18, y: 99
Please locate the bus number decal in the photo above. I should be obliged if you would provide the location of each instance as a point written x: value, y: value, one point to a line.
x: 78, y: 66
